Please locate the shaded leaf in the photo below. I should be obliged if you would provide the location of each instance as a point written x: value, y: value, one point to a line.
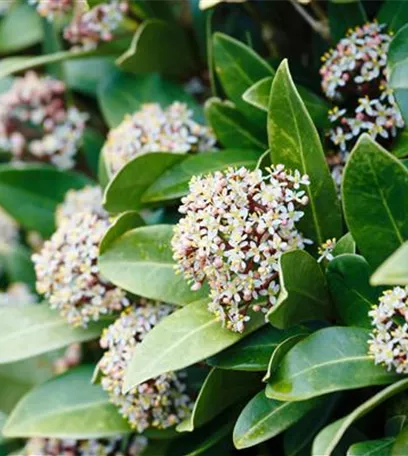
x: 400, y: 446
x: 380, y: 447
x: 394, y: 13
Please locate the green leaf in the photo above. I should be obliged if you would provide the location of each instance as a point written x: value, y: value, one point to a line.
x: 31, y: 193
x: 400, y: 145
x: 375, y: 199
x: 394, y: 13
x: 304, y: 295
x: 380, y: 447
x: 253, y: 353
x: 220, y: 390
x: 188, y: 336
x: 394, y: 270
x: 348, y: 277
x: 294, y: 142
x: 92, y: 143
x: 17, y: 264
x: 238, y: 68
x: 327, y: 439
x: 264, y: 418
x: 141, y: 262
x: 345, y: 244
x: 122, y: 93
x: 332, y: 359
x: 158, y: 46
x: 68, y: 406
x: 124, y: 192
x: 20, y: 28
x: 400, y: 447
x: 231, y: 128
x: 343, y: 16
x: 32, y: 330
x: 173, y: 183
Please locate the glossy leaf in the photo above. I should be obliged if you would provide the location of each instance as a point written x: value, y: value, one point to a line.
x: 345, y: 244
x: 332, y: 359
x: 220, y: 390
x: 375, y: 198
x: 327, y: 439
x: 343, y: 16
x: 380, y: 447
x: 264, y: 418
x: 173, y: 183
x: 348, y: 277
x: 141, y: 262
x: 32, y: 330
x: 294, y: 142
x: 188, y: 336
x: 394, y: 13
x: 394, y: 270
x: 68, y: 406
x: 31, y: 193
x: 304, y: 294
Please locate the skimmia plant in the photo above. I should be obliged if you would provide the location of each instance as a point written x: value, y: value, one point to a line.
x: 203, y: 228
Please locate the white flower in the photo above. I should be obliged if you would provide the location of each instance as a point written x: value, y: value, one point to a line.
x: 8, y: 231
x: 326, y: 250
x: 54, y: 8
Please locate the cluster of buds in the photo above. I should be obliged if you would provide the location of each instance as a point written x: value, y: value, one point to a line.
x: 88, y: 199
x: 8, y: 230
x: 160, y: 402
x: 97, y: 25
x: 326, y: 250
x: 36, y: 124
x: 113, y: 446
x: 52, y: 9
x: 17, y: 295
x: 389, y: 339
x: 153, y: 129
x: 237, y: 224
x: 68, y: 274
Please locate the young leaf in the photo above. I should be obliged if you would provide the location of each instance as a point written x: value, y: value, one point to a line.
x: 220, y: 390
x: 264, y: 418
x: 327, y: 439
x: 375, y: 199
x: 348, y: 277
x: 380, y: 447
x: 294, y: 142
x: 141, y: 262
x: 68, y: 406
x: 332, y: 359
x: 43, y: 328
x: 304, y: 294
x: 31, y: 193
x: 186, y: 337
x: 394, y: 270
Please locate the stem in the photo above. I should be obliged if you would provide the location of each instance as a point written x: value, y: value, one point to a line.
x: 317, y: 26
x: 261, y: 158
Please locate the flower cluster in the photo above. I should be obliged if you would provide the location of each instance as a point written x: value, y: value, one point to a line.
x: 389, y: 339
x: 160, y: 402
x: 70, y: 358
x: 36, y: 124
x: 97, y: 25
x: 114, y: 446
x: 68, y: 274
x: 153, y: 129
x: 87, y: 199
x: 17, y: 295
x: 8, y: 230
x: 53, y: 8
x: 326, y: 250
x: 236, y: 226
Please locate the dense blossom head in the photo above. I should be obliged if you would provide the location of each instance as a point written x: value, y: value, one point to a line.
x: 389, y: 339
x: 8, y: 230
x: 113, y: 446
x: 54, y: 8
x: 68, y: 274
x: 17, y: 295
x: 36, y: 124
x: 153, y: 129
x: 87, y: 199
x: 236, y: 226
x: 96, y: 25
x: 160, y: 402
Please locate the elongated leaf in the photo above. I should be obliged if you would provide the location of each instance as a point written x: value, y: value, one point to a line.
x: 141, y: 261
x: 253, y: 353
x: 332, y: 359
x: 394, y: 14
x: 375, y: 188
x: 304, y: 294
x: 173, y: 183
x: 231, y: 128
x: 380, y: 447
x: 327, y: 439
x: 32, y: 330
x: 264, y: 418
x: 158, y: 46
x: 31, y: 193
x: 394, y: 270
x: 220, y: 390
x: 68, y: 406
x: 348, y: 277
x: 187, y: 336
x: 294, y: 142
x: 125, y: 190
